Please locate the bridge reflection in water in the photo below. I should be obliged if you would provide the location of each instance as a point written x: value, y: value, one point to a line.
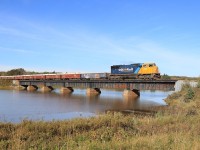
x: 113, y: 100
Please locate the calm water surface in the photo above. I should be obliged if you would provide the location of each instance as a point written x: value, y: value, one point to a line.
x: 18, y: 105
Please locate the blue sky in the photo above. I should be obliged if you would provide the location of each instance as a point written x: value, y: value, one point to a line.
x: 92, y: 35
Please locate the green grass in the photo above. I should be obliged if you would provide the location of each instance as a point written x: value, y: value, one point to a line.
x: 174, y: 127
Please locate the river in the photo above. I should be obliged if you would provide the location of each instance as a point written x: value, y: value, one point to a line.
x: 18, y: 105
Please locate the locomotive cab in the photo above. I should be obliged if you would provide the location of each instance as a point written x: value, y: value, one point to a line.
x: 149, y: 71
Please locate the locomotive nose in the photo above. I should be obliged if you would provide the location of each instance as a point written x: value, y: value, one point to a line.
x: 157, y: 70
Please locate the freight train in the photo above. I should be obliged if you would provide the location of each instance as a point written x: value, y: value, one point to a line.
x: 147, y: 71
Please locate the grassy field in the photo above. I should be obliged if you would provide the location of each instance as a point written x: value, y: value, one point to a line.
x: 174, y: 127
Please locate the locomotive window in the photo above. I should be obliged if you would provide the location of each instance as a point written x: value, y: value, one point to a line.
x: 150, y: 65
x: 115, y: 67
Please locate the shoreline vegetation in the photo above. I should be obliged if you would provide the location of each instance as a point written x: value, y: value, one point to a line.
x: 173, y: 127
x: 6, y: 85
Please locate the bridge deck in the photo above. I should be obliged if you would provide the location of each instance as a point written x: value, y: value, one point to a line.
x: 107, y: 84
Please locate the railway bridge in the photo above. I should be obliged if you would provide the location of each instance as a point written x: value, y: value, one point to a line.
x: 131, y: 87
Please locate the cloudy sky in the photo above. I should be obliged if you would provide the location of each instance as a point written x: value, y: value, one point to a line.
x: 92, y: 35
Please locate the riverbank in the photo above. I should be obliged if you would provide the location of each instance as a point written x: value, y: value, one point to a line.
x: 173, y: 127
x: 6, y: 85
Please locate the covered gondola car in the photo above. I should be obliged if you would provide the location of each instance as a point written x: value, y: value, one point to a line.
x: 94, y: 76
x: 135, y: 71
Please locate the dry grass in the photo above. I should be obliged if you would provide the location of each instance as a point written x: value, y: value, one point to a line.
x: 111, y: 131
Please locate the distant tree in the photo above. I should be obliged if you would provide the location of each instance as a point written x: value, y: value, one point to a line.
x: 31, y: 72
x: 19, y: 71
x: 2, y: 73
x: 166, y: 77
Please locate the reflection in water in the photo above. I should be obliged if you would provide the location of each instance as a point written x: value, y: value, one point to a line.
x: 17, y: 105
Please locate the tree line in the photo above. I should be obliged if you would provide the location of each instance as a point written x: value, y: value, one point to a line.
x: 21, y: 71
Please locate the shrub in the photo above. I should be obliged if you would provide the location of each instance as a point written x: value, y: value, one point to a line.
x: 189, y: 95
x: 198, y: 84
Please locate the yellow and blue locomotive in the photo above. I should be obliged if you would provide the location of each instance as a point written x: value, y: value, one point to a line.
x: 135, y: 71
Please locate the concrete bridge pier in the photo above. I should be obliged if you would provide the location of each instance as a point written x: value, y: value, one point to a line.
x: 66, y: 90
x: 32, y: 88
x: 20, y: 88
x: 93, y: 91
x: 45, y: 89
x: 16, y: 82
x: 131, y: 93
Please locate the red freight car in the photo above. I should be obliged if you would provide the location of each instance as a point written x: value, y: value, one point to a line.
x: 7, y: 77
x: 28, y: 77
x: 18, y: 77
x: 39, y: 77
x: 53, y: 76
x: 70, y: 76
